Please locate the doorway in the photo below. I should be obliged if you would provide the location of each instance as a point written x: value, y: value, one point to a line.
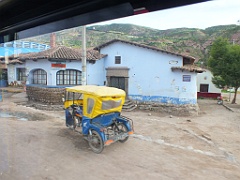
x: 118, y: 82
x: 204, y: 87
x: 118, y: 77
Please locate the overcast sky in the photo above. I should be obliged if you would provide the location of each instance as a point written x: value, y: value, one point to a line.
x: 201, y: 15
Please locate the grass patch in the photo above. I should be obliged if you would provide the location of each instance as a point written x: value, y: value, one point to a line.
x: 226, y: 91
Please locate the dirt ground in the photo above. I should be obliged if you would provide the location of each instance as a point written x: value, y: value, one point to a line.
x: 36, y: 145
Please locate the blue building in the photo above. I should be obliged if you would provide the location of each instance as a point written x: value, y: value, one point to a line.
x: 146, y: 73
x: 12, y: 49
x: 149, y: 74
x: 58, y: 66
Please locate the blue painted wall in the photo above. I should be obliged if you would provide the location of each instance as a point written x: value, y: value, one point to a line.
x: 150, y: 75
x: 95, y: 72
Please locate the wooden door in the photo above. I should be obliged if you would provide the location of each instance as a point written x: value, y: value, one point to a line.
x: 118, y: 82
x: 204, y: 87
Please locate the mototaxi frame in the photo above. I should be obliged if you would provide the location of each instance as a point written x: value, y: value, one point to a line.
x: 95, y: 111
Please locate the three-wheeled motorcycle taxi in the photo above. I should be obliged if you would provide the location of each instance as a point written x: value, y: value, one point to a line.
x: 95, y: 111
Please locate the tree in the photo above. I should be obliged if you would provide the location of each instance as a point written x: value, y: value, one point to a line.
x: 219, y: 82
x: 224, y: 62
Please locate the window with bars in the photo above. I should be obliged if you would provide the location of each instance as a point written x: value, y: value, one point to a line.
x: 117, y: 59
x: 40, y: 77
x: 69, y: 77
x: 21, y: 74
x: 186, y: 78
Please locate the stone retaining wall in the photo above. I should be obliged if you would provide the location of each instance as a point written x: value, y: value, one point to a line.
x: 176, y: 110
x: 50, y: 98
x: 45, y: 95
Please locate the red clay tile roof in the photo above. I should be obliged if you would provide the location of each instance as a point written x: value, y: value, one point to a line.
x: 62, y: 52
x: 143, y: 46
x: 15, y: 61
x: 190, y: 68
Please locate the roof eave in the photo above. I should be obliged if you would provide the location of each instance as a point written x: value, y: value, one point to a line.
x: 98, y: 48
x: 182, y: 68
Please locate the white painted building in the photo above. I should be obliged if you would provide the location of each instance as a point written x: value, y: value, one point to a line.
x: 205, y: 87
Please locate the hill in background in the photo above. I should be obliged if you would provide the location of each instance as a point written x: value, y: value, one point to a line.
x: 189, y: 41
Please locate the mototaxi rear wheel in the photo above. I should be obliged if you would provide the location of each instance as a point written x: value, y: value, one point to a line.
x: 95, y: 142
x: 122, y: 128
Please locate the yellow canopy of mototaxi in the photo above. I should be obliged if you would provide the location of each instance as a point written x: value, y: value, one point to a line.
x: 99, y: 100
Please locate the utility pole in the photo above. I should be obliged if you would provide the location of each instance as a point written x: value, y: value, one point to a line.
x: 84, y: 59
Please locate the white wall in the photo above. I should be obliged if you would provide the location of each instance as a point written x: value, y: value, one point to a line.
x: 206, y: 78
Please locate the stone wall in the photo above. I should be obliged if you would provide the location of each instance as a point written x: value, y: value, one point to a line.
x: 171, y: 109
x: 45, y: 95
x: 50, y: 98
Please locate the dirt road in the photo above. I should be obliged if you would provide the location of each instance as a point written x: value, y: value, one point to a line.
x: 36, y: 145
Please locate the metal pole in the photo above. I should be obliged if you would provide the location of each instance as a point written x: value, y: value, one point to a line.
x: 1, y: 95
x: 229, y: 95
x: 84, y: 61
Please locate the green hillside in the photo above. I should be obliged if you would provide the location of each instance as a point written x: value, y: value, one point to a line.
x: 189, y: 41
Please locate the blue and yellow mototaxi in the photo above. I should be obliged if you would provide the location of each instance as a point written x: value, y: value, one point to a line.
x: 95, y: 111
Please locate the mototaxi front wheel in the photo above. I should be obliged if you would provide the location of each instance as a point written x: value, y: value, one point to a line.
x: 95, y: 142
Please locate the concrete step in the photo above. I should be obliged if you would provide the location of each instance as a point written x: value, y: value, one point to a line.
x: 130, y: 109
x: 129, y: 105
x: 128, y: 102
